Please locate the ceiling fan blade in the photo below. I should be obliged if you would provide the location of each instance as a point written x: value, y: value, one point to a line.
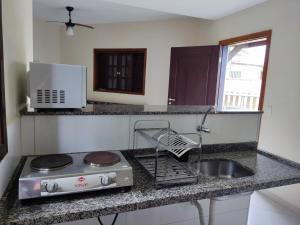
x: 55, y: 22
x: 83, y: 25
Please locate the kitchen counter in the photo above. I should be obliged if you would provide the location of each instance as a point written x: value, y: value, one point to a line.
x: 270, y: 171
x: 122, y: 109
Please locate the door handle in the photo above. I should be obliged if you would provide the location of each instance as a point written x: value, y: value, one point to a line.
x: 171, y: 100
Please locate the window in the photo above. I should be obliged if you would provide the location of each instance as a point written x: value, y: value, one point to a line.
x: 235, y: 75
x: 243, y: 72
x: 120, y: 70
x: 3, y: 139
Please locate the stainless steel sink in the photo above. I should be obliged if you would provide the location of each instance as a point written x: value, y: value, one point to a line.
x: 223, y: 168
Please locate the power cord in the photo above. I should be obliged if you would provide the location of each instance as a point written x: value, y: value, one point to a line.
x: 113, y: 222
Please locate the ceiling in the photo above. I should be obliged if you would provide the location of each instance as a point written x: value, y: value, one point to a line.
x: 109, y: 11
x: 94, y: 11
x: 205, y: 9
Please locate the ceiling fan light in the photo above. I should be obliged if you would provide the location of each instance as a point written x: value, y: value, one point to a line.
x: 70, y: 31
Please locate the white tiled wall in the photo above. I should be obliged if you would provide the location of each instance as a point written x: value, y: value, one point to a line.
x: 60, y: 134
x: 27, y: 134
x: 231, y: 128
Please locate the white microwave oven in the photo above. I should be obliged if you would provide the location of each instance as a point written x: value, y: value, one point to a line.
x: 57, y: 85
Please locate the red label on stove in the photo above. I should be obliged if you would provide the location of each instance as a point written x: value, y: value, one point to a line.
x: 81, y: 182
x: 81, y: 185
x: 81, y: 179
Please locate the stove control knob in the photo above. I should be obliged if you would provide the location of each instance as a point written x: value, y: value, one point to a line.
x: 106, y: 180
x: 51, y: 187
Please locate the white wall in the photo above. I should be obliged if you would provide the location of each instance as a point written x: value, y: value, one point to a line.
x: 157, y: 36
x: 65, y: 134
x: 280, y: 128
x: 18, y: 50
x: 46, y: 42
x: 269, y: 210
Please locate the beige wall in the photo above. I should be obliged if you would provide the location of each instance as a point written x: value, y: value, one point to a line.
x: 157, y: 36
x: 46, y: 42
x: 18, y: 51
x: 280, y: 128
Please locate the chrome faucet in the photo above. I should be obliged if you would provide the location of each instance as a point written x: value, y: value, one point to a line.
x: 201, y: 127
x: 194, y: 165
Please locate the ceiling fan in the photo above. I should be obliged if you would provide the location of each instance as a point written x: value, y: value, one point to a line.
x: 70, y: 25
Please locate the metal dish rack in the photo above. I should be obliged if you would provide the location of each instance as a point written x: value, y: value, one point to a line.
x: 162, y: 165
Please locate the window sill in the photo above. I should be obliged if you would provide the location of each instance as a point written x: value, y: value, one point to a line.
x: 119, y: 92
x: 240, y: 111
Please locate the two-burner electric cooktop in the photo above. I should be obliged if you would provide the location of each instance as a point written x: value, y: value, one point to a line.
x: 59, y: 174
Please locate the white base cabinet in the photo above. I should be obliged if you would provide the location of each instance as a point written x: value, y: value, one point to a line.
x: 175, y: 214
x: 230, y: 210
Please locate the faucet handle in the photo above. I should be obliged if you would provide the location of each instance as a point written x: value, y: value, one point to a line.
x: 203, y: 129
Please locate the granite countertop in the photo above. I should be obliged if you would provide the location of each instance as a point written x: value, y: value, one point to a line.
x: 270, y: 171
x: 122, y: 109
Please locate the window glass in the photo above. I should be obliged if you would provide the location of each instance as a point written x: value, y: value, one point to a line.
x: 243, y: 76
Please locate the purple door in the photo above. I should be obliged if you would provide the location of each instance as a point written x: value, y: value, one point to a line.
x: 194, y: 75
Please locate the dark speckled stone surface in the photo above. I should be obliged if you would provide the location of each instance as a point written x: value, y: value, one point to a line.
x: 270, y: 171
x: 120, y: 109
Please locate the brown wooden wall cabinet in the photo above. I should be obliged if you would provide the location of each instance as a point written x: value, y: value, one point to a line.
x: 120, y: 70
